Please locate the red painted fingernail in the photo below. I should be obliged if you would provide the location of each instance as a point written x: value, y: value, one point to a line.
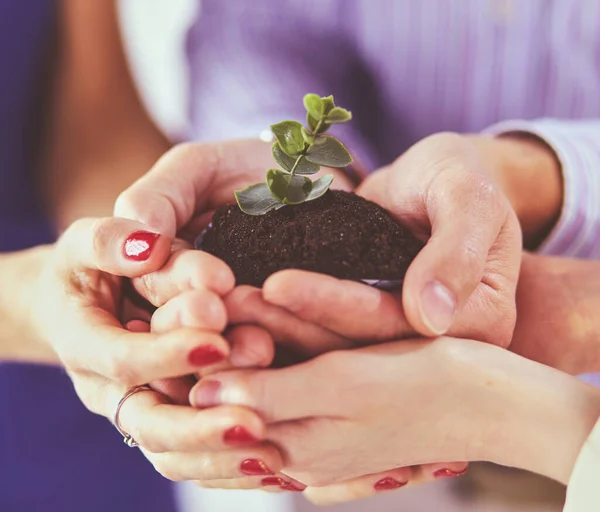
x: 448, y: 473
x: 239, y: 435
x: 292, y: 487
x: 274, y: 480
x: 205, y: 355
x: 254, y: 467
x: 388, y: 483
x: 207, y: 394
x: 139, y: 245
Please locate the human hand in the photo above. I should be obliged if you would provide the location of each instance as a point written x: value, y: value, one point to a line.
x: 78, y: 307
x: 461, y: 283
x: 380, y: 408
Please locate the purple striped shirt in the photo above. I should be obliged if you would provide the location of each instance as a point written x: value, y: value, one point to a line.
x: 410, y: 68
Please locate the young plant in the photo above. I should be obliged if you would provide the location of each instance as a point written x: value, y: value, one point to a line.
x: 300, y: 152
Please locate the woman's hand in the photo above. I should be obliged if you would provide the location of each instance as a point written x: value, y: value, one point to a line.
x: 78, y: 307
x: 412, y: 402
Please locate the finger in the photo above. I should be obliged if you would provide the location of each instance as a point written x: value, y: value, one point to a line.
x: 196, y: 309
x: 192, y: 177
x: 134, y: 358
x: 359, y: 488
x: 177, y: 390
x: 260, y: 461
x: 272, y: 484
x: 246, y: 305
x: 161, y: 427
x: 251, y: 347
x: 430, y: 472
x: 186, y: 270
x: 117, y: 246
x: 360, y: 312
x: 276, y: 394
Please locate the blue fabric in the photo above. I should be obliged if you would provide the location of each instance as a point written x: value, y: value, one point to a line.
x: 55, y: 456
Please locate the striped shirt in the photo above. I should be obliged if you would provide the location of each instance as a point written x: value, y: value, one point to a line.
x: 408, y: 69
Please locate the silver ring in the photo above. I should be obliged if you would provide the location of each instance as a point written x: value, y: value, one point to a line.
x: 127, y: 438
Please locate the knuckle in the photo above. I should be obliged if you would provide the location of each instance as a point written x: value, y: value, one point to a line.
x: 149, y: 289
x: 119, y: 367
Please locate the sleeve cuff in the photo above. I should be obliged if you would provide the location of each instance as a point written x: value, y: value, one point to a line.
x: 583, y: 492
x: 577, y: 232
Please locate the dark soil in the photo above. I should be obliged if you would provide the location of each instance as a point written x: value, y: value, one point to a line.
x: 340, y: 234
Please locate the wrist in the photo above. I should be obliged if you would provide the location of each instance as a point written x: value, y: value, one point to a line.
x: 547, y: 417
x: 528, y: 172
x: 20, y: 275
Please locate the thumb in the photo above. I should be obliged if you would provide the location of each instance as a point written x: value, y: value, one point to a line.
x: 120, y: 247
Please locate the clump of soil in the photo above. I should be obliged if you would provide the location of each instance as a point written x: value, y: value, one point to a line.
x: 340, y: 234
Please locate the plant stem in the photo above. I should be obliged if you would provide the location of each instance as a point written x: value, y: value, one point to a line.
x: 297, y: 162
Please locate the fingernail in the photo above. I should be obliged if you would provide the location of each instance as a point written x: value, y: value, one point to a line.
x: 254, y: 467
x: 437, y: 307
x: 207, y: 394
x: 448, y: 473
x: 238, y: 435
x: 292, y: 487
x: 205, y: 355
x: 274, y: 480
x: 388, y: 483
x: 139, y: 245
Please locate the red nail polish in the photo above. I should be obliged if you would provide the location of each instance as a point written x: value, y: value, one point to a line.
x: 292, y: 487
x: 388, y: 483
x: 274, y: 480
x: 254, y: 467
x: 448, y: 473
x: 238, y: 435
x: 207, y: 394
x: 205, y: 356
x: 139, y: 245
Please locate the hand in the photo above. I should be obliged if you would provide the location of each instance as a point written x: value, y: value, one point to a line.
x: 78, y: 307
x: 462, y: 282
x: 412, y: 402
x: 193, y: 179
x: 557, y: 325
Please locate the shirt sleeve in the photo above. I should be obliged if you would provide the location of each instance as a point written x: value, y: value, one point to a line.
x: 577, y: 147
x: 583, y: 492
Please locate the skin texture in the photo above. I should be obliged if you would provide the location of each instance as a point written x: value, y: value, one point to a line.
x: 484, y: 404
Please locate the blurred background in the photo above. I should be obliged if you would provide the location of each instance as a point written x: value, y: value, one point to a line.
x: 155, y: 34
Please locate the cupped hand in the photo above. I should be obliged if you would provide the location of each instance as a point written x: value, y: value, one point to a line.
x: 79, y: 309
x: 462, y: 282
x: 412, y: 402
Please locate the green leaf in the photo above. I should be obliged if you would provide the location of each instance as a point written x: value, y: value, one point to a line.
x: 309, y: 138
x: 338, y: 115
x: 285, y: 161
x: 314, y: 105
x: 305, y: 167
x: 289, y: 135
x: 287, y: 188
x: 328, y: 104
x: 257, y: 200
x: 298, y: 190
x: 312, y: 123
x: 277, y: 182
x: 328, y: 151
x: 319, y: 187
